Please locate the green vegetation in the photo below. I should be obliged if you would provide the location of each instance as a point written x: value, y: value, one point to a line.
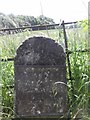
x: 79, y: 94
x: 12, y: 21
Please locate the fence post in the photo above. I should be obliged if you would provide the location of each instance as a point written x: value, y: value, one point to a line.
x: 68, y: 62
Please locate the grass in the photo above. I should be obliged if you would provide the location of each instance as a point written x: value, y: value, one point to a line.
x: 79, y: 97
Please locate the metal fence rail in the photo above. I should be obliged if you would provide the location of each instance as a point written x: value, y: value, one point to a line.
x: 35, y: 27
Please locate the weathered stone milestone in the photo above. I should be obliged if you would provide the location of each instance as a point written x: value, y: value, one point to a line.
x: 40, y: 78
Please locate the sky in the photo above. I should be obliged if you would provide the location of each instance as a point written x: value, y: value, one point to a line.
x: 67, y: 10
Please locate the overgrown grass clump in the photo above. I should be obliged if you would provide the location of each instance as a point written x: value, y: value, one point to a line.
x: 78, y: 86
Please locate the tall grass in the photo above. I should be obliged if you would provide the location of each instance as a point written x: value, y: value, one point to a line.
x: 79, y: 104
x: 77, y: 40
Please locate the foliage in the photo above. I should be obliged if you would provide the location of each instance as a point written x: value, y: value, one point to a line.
x: 12, y: 21
x: 6, y: 22
x: 44, y: 20
x: 79, y: 95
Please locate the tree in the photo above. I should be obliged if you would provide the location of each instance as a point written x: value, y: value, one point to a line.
x: 12, y: 21
x: 6, y: 22
x: 44, y: 20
